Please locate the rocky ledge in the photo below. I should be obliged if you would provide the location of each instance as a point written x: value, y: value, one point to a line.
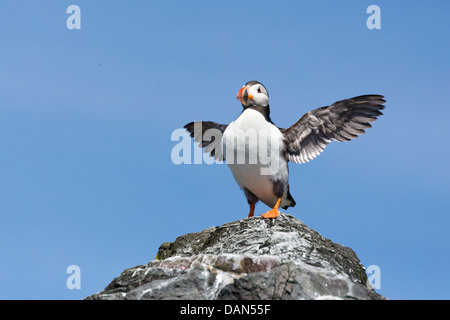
x: 249, y: 259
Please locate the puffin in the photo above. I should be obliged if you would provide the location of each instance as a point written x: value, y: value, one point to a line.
x: 258, y: 152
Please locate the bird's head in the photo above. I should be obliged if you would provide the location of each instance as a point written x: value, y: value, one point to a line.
x: 253, y: 94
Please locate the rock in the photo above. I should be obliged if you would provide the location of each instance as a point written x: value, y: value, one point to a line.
x: 252, y: 258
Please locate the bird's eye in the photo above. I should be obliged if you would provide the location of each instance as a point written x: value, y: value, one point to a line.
x: 259, y: 90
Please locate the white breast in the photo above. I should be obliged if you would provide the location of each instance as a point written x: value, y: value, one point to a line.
x: 252, y: 149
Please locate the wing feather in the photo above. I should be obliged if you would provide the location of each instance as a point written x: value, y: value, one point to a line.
x: 342, y: 121
x: 209, y: 136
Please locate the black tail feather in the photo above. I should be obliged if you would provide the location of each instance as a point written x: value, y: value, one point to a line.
x: 289, y: 198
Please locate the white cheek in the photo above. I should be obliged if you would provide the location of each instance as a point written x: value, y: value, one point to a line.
x: 261, y: 100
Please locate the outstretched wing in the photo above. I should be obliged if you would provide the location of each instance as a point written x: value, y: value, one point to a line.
x: 209, y: 135
x: 342, y: 121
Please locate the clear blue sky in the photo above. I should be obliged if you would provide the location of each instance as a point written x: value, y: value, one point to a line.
x: 86, y: 118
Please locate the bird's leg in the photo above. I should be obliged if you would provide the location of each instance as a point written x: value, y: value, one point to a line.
x: 274, y: 212
x: 252, y: 210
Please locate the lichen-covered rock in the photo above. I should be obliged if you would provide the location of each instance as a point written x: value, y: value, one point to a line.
x: 252, y: 258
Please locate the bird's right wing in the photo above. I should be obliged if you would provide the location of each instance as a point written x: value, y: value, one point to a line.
x: 342, y: 121
x: 209, y: 136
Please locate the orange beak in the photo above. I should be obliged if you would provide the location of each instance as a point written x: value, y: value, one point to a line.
x: 241, y: 94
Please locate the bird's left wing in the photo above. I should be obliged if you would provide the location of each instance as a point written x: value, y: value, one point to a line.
x: 209, y: 135
x: 342, y: 121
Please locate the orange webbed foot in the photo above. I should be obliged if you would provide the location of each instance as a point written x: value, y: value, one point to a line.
x: 271, y: 214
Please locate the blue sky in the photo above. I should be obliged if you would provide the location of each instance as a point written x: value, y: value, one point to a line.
x: 86, y: 118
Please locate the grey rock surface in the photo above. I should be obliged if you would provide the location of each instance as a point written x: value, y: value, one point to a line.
x: 252, y: 258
